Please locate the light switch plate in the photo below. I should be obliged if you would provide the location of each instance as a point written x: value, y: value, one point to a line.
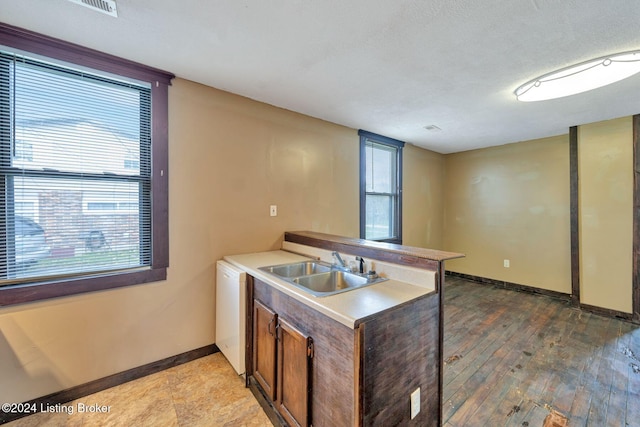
x: 273, y: 210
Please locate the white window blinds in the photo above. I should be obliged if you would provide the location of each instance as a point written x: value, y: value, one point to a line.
x: 75, y: 171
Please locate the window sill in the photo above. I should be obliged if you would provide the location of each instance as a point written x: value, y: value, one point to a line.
x: 20, y: 294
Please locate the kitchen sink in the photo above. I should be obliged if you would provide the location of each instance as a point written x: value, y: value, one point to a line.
x: 331, y: 281
x: 297, y: 269
x: 320, y: 279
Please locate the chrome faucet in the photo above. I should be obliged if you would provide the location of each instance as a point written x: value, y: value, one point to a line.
x: 340, y: 262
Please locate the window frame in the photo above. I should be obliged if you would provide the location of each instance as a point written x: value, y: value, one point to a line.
x: 398, y: 145
x: 159, y: 81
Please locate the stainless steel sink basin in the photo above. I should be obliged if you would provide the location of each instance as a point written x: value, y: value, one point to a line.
x: 297, y: 269
x: 330, y: 281
x: 320, y: 279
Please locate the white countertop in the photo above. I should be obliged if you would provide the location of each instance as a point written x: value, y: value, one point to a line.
x: 348, y: 308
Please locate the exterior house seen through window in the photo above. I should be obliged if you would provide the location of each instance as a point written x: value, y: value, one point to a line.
x: 380, y: 188
x: 76, y: 177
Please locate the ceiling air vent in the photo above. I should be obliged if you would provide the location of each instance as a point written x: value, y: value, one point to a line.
x: 104, y: 6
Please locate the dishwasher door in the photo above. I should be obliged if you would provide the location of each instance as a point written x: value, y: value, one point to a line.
x: 231, y: 313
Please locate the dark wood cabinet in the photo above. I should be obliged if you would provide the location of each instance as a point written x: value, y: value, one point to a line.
x: 361, y: 376
x: 294, y: 353
x: 264, y: 348
x: 281, y: 364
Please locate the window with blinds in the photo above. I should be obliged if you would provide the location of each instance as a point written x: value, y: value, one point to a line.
x: 75, y: 171
x: 381, y: 188
x: 84, y: 198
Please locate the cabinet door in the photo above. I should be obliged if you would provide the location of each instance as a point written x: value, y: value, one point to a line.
x: 264, y: 348
x: 294, y: 362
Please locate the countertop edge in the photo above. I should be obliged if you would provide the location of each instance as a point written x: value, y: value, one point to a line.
x: 424, y: 253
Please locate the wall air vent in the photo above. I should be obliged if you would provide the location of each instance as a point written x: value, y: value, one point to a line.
x: 104, y: 6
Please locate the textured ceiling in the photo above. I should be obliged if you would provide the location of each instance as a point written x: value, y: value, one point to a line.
x: 390, y: 67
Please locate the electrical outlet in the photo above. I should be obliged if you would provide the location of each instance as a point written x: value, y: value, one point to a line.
x: 506, y: 263
x: 415, y: 403
x: 273, y: 210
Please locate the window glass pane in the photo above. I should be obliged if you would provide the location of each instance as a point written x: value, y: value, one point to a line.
x: 380, y: 166
x: 379, y: 216
x: 74, y: 225
x: 380, y: 191
x: 74, y: 122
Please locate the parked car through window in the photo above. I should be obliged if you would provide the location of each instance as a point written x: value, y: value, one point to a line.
x: 30, y: 243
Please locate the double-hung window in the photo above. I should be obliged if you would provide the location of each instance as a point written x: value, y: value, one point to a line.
x: 380, y: 188
x: 83, y: 170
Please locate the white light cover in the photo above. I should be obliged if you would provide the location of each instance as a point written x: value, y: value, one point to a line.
x: 581, y: 77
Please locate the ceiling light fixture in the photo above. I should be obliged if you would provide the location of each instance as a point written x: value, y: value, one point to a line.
x: 581, y: 77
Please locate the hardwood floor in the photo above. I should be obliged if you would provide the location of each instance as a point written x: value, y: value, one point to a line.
x: 512, y: 359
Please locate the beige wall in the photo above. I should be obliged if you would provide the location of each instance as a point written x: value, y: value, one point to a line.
x: 511, y: 202
x: 605, y: 153
x: 230, y: 158
x: 422, y: 207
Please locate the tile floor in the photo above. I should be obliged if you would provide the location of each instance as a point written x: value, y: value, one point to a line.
x: 204, y: 392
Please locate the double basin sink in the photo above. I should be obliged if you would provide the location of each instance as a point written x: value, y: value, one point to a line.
x: 319, y: 278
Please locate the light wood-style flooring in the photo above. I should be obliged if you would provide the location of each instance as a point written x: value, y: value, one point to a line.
x: 206, y: 392
x: 512, y: 359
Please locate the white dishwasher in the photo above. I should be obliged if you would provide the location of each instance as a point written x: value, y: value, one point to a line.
x: 231, y: 313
